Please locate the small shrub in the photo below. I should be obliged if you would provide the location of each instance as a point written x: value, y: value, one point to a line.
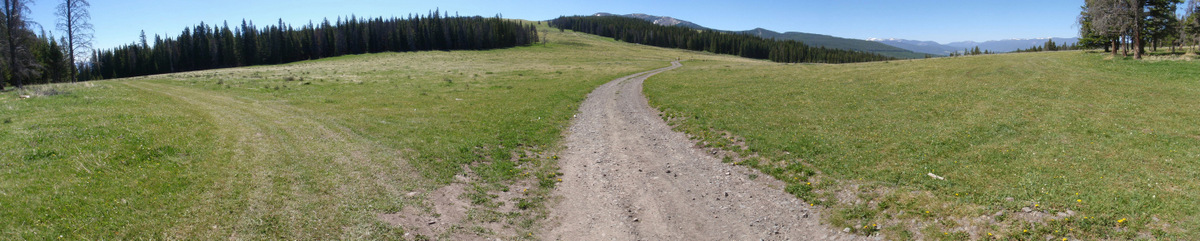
x: 40, y: 154
x: 802, y: 191
x: 524, y: 204
x: 48, y: 92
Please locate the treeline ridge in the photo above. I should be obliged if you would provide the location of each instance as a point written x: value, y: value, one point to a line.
x: 744, y: 45
x: 208, y: 47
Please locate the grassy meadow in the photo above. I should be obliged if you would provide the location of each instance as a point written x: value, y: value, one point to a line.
x: 308, y: 150
x: 1093, y: 148
x: 1031, y: 146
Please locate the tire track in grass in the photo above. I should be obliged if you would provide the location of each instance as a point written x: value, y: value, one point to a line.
x: 288, y: 175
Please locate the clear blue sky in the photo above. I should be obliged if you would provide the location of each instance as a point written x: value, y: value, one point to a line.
x: 120, y: 21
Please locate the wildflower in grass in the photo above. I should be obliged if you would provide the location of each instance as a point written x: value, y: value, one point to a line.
x: 1079, y: 200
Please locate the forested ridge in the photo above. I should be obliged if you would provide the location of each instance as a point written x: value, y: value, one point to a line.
x: 209, y: 46
x: 743, y: 45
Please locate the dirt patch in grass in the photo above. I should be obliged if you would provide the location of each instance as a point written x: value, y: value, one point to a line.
x: 440, y: 214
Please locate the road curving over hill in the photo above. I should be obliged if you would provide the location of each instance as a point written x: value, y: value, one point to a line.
x: 628, y: 176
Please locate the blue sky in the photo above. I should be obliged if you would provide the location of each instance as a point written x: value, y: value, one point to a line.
x: 120, y: 21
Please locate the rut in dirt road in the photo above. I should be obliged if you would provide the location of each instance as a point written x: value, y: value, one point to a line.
x: 628, y: 176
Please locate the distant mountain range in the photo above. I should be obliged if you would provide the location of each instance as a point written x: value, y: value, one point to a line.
x: 807, y: 38
x: 660, y: 20
x: 1001, y: 46
x: 837, y: 43
x: 897, y: 48
x: 929, y: 47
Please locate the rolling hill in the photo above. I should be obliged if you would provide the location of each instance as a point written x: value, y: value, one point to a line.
x: 660, y: 20
x: 811, y: 39
x: 1064, y: 144
x: 837, y: 43
x: 1027, y: 145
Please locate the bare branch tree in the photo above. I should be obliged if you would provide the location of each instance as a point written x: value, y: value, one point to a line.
x: 1193, y: 21
x: 73, y: 19
x: 17, y: 36
x: 1105, y: 16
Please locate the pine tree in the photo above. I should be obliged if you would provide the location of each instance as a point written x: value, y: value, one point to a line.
x: 204, y: 46
x: 17, y: 36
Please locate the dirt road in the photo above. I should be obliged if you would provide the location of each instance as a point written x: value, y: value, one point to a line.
x: 628, y: 176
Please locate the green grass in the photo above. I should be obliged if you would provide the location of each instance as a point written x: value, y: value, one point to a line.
x: 1106, y: 139
x: 308, y: 150
x: 316, y: 149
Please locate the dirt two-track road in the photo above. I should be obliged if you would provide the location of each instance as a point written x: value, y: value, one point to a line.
x: 628, y: 176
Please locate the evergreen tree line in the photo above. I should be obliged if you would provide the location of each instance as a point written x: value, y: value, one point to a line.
x: 209, y: 46
x: 1117, y: 25
x: 744, y: 45
x: 1050, y: 46
x: 33, y: 58
x: 969, y: 51
x: 44, y: 62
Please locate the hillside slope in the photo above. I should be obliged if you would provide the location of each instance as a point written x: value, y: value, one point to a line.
x: 660, y: 20
x: 837, y: 43
x: 1054, y: 145
x: 816, y: 40
x: 380, y: 146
